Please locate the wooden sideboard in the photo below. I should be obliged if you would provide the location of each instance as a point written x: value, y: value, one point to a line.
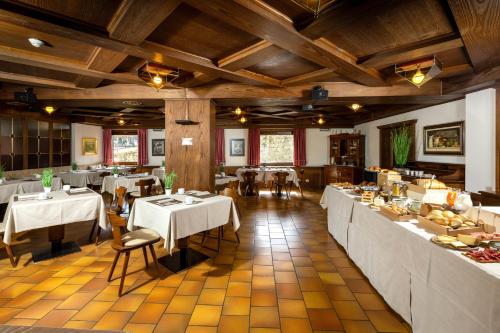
x: 342, y: 173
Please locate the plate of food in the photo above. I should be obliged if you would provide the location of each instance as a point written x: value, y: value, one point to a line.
x: 488, y: 255
x: 459, y: 243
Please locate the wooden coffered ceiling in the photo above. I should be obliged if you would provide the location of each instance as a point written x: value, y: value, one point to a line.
x: 261, y: 55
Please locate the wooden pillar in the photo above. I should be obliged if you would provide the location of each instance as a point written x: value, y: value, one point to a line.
x: 497, y: 136
x: 194, y: 164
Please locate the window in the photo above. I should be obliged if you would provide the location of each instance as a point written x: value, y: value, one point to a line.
x: 276, y: 148
x: 125, y: 148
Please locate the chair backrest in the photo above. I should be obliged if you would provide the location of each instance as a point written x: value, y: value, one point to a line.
x: 145, y: 186
x: 249, y: 176
x: 104, y: 174
x: 120, y: 196
x: 118, y: 224
x: 280, y: 177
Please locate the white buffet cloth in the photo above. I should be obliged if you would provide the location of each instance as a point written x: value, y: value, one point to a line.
x: 339, y: 206
x: 24, y: 185
x: 266, y: 174
x: 81, y: 178
x: 181, y: 220
x: 110, y: 183
x: 449, y: 292
x: 28, y: 213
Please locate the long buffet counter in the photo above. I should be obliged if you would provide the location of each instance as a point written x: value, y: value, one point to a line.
x: 432, y: 288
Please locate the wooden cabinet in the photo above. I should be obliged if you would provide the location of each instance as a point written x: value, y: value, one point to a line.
x: 347, y: 149
x: 347, y: 159
x: 342, y: 174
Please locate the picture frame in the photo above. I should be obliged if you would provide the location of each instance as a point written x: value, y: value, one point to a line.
x: 444, y: 139
x: 89, y: 146
x: 158, y: 147
x: 237, y: 147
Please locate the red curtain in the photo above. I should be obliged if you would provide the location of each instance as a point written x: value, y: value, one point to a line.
x: 254, y: 146
x: 220, y: 157
x: 107, y: 146
x: 142, y: 135
x: 299, y: 147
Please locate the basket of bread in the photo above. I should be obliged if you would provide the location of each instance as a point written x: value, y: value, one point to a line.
x: 446, y: 222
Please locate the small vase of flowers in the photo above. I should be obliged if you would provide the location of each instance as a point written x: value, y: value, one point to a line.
x: 163, y: 165
x: 2, y: 174
x: 169, y: 182
x: 74, y: 166
x: 47, y: 176
x: 115, y: 171
x: 222, y: 170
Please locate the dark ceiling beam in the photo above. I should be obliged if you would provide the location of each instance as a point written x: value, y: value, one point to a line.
x: 147, y: 50
x: 133, y: 22
x: 471, y: 82
x: 479, y: 25
x: 316, y: 76
x: 35, y: 80
x: 399, y: 56
x: 263, y: 21
x: 35, y: 59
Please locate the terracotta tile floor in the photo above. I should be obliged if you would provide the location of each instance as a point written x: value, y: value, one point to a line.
x: 287, y: 275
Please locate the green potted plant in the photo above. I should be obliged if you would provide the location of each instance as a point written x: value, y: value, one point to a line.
x: 401, y: 143
x: 74, y: 166
x: 115, y: 171
x: 163, y: 165
x: 2, y: 174
x: 222, y: 170
x: 168, y: 179
x: 47, y: 176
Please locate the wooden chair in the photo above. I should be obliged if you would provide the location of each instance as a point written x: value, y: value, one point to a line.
x: 118, y: 206
x: 280, y: 182
x: 124, y: 242
x: 145, y: 190
x: 249, y: 183
x: 301, y: 181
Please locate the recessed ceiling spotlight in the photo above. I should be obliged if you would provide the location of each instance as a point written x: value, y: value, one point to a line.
x: 36, y: 42
x: 49, y: 109
x: 121, y: 122
x: 133, y: 103
x: 355, y: 106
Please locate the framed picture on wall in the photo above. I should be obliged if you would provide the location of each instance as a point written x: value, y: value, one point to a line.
x: 444, y: 139
x: 237, y: 147
x: 158, y: 147
x: 89, y: 146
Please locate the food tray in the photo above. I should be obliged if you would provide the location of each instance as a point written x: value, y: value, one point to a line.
x: 469, y: 254
x: 443, y: 230
x: 449, y: 246
x: 394, y: 216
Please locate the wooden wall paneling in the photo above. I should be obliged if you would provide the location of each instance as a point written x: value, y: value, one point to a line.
x: 386, y: 156
x: 497, y: 136
x: 194, y: 165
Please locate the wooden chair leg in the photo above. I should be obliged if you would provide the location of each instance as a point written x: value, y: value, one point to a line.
x: 204, y: 238
x: 98, y: 235
x: 10, y: 253
x: 155, y: 260
x: 145, y: 256
x: 237, y: 237
x: 219, y: 238
x: 117, y: 256
x: 124, y: 273
x: 92, y: 231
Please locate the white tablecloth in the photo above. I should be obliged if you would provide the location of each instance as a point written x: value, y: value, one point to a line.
x: 266, y: 174
x: 63, y: 208
x: 181, y: 220
x: 158, y: 172
x: 82, y: 178
x: 219, y: 180
x: 110, y: 183
x: 26, y: 185
x: 448, y: 292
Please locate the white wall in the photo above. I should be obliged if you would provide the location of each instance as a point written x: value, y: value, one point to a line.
x: 438, y: 114
x: 154, y: 160
x: 79, y: 131
x: 317, y: 144
x: 235, y: 133
x: 480, y: 140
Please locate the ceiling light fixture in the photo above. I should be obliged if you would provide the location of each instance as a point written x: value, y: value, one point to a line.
x: 36, y: 42
x: 355, y: 106
x: 419, y: 71
x: 238, y: 111
x: 121, y: 122
x: 156, y: 75
x: 321, y: 121
x: 243, y: 120
x: 49, y: 109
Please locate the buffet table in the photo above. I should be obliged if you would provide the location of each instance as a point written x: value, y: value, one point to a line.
x: 432, y: 288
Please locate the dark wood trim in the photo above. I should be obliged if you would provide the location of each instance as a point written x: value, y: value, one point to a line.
x: 497, y: 138
x: 399, y: 124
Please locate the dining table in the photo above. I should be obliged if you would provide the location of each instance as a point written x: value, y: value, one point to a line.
x: 265, y: 175
x: 31, y: 211
x: 175, y: 219
x: 81, y: 178
x: 111, y: 183
x: 10, y: 187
